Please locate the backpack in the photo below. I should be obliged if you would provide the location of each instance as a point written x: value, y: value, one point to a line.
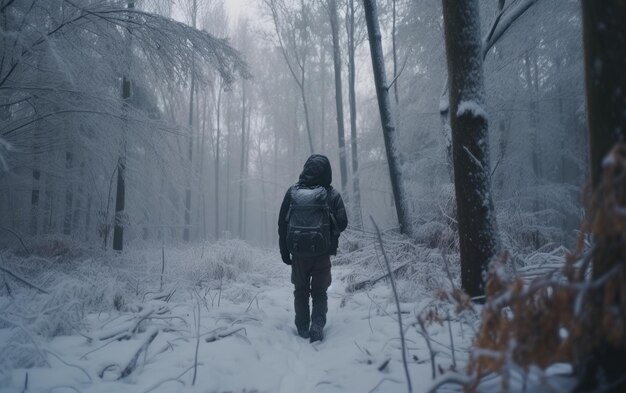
x: 308, y: 222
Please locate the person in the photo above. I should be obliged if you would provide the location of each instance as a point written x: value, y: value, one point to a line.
x: 312, y: 216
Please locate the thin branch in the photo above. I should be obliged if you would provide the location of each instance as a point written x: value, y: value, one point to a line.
x: 399, y: 73
x: 395, y: 295
x: 18, y: 238
x: 195, y: 362
x: 21, y: 279
x: 133, y: 362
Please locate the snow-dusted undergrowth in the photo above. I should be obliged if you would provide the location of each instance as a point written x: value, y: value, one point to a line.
x: 224, y: 311
x: 80, y: 281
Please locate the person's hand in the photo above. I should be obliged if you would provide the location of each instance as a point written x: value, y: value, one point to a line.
x: 286, y: 259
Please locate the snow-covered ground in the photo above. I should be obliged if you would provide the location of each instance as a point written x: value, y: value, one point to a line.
x: 248, y: 341
x: 106, y: 325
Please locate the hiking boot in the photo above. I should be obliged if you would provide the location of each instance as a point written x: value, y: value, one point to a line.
x: 304, y: 333
x: 316, y: 333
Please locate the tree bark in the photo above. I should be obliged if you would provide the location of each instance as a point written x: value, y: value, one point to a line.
x: 477, y: 224
x: 604, y: 25
x: 386, y: 118
x: 334, y: 24
x: 602, y: 368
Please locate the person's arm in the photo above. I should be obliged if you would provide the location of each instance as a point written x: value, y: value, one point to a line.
x: 282, y: 228
x: 339, y: 212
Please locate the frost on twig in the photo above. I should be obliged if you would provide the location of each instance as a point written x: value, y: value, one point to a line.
x: 132, y: 364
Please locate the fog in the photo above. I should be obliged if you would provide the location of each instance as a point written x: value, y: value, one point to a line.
x: 59, y: 175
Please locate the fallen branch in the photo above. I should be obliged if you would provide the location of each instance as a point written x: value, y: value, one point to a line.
x: 357, y: 286
x: 18, y: 278
x: 133, y: 362
x: 177, y: 379
x: 18, y: 238
x: 395, y: 295
x: 126, y: 329
x: 195, y: 362
x: 30, y: 336
x: 222, y: 333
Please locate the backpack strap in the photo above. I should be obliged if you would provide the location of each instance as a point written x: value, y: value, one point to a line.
x: 333, y: 220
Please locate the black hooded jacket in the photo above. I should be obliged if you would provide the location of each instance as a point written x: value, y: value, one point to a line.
x: 317, y: 172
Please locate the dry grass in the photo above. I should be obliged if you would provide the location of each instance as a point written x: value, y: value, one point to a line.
x: 567, y: 317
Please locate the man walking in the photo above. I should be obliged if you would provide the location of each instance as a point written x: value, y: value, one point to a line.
x: 311, y: 218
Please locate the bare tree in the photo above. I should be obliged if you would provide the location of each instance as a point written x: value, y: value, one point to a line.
x: 478, y: 236
x: 244, y: 148
x: 292, y: 31
x: 193, y: 14
x: 334, y: 24
x: 356, y: 188
x: 386, y: 118
x: 120, y: 193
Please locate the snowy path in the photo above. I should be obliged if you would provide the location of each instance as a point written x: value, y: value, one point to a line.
x: 360, y: 350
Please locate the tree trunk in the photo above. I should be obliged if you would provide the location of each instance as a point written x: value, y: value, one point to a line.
x: 69, y: 192
x: 323, y: 97
x: 334, y: 24
x: 36, y: 188
x: 305, y: 106
x: 217, y: 163
x: 386, y: 119
x: 604, y: 24
x: 395, y: 54
x: 604, y: 33
x: 187, y: 214
x: 478, y: 236
x: 357, y: 218
x: 120, y: 194
x: 243, y: 159
x: 229, y: 143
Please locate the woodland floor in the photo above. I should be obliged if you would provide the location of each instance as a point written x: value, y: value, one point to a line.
x: 247, y: 341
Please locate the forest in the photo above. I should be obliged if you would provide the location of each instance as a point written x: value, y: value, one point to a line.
x: 478, y: 164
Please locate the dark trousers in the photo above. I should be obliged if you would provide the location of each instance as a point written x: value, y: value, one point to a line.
x: 311, y: 277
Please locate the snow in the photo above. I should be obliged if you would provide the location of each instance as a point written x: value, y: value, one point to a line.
x: 472, y: 108
x: 242, y: 297
x: 262, y: 354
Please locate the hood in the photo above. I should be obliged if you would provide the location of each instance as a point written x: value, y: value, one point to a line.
x: 316, y: 172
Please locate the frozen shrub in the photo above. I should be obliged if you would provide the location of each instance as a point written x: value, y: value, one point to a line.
x: 572, y: 317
